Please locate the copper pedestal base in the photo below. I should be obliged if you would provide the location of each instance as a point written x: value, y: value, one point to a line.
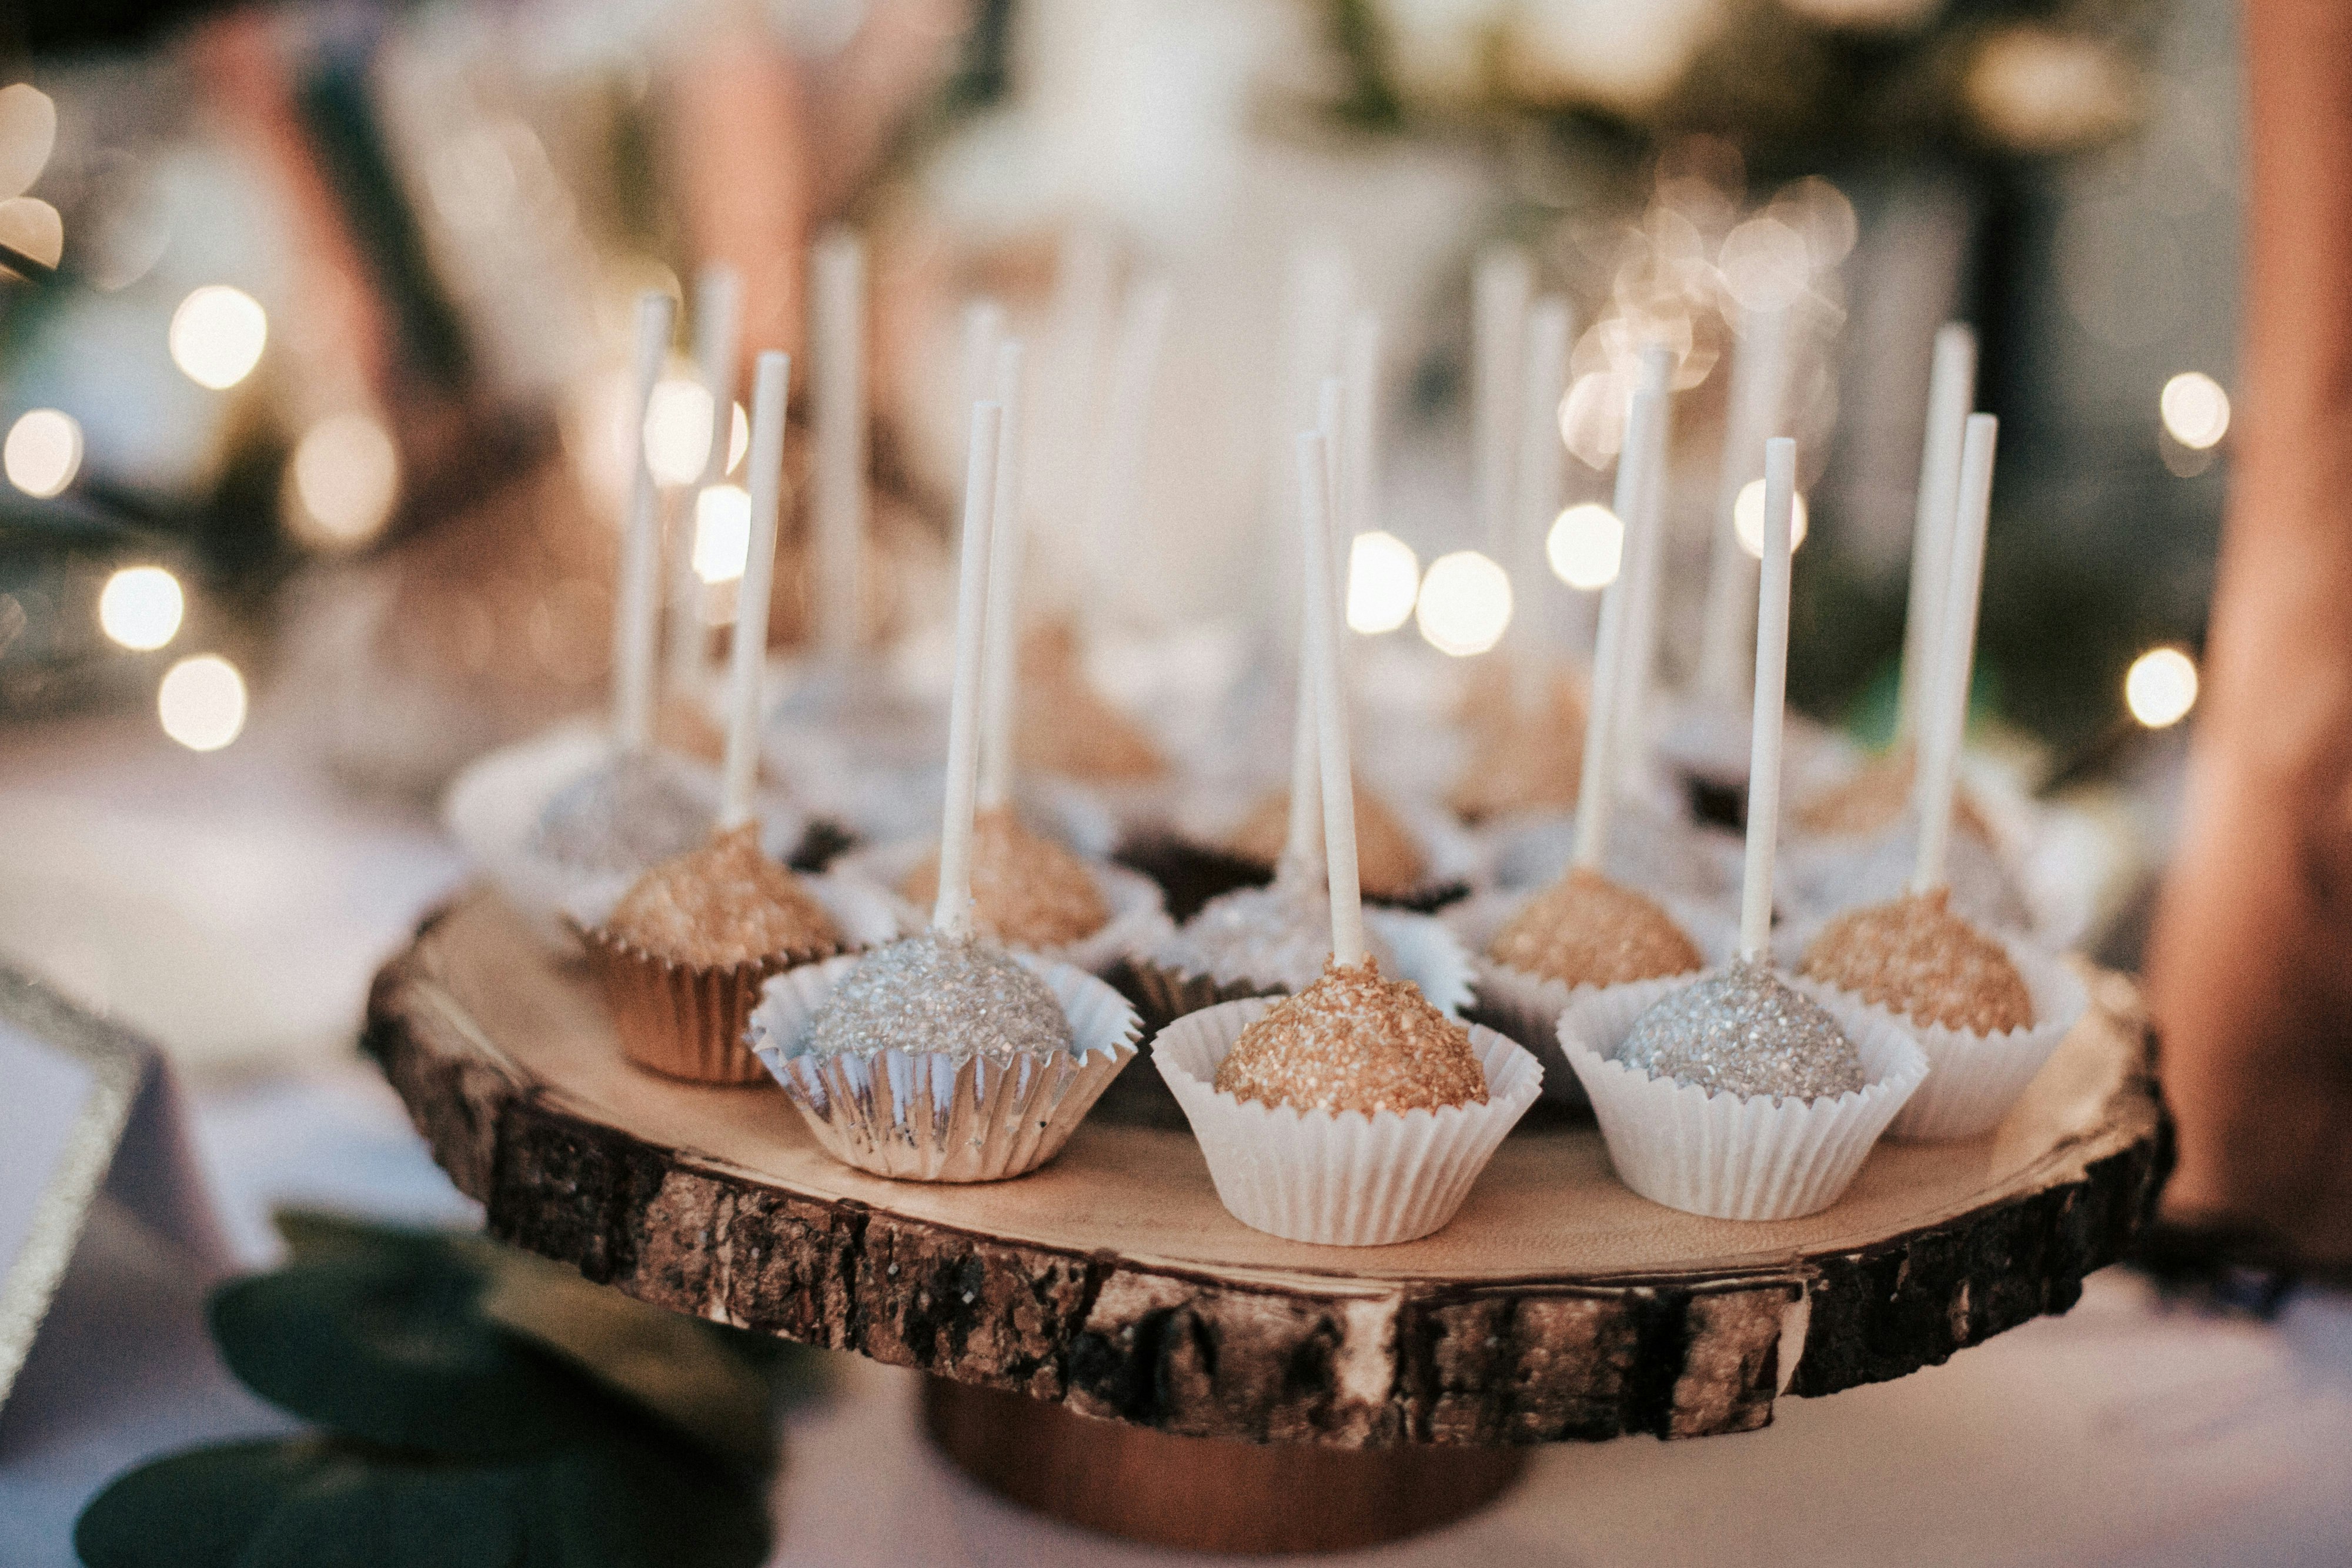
x: 1202, y: 1493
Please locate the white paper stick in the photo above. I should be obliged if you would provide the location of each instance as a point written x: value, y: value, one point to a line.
x: 1001, y: 663
x: 1303, y: 848
x: 1758, y: 382
x: 718, y: 312
x: 1952, y: 388
x: 1544, y: 367
x: 983, y: 330
x: 1316, y: 291
x: 1597, y: 784
x: 1360, y: 453
x: 951, y: 913
x: 837, y: 343
x: 1499, y: 288
x: 1946, y: 718
x: 749, y: 652
x: 1647, y: 564
x: 1771, y: 697
x: 1115, y: 495
x: 636, y: 607
x: 1331, y: 711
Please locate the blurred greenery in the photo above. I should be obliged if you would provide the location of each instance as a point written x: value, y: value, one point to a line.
x: 477, y: 1405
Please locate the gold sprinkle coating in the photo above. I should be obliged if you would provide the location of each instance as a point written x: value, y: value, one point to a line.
x: 1587, y: 930
x: 1388, y: 862
x: 1916, y: 957
x: 1026, y: 890
x: 1354, y: 1041
x: 1877, y: 796
x: 1062, y: 725
x: 723, y: 904
x: 1746, y: 1031
x: 1521, y: 759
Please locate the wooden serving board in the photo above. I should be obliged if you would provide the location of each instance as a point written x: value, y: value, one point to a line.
x: 1556, y: 1305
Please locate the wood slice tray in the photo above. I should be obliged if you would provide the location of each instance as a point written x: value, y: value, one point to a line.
x: 1556, y: 1305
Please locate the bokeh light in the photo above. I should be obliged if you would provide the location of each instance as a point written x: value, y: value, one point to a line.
x: 30, y: 226
x: 141, y: 607
x: 43, y: 452
x: 2160, y: 687
x: 1585, y: 545
x: 346, y: 474
x: 2195, y: 410
x: 218, y: 336
x: 738, y: 438
x: 1383, y: 579
x: 677, y: 431
x: 28, y: 132
x: 202, y: 702
x: 1465, y: 604
x: 1748, y: 519
x: 722, y: 533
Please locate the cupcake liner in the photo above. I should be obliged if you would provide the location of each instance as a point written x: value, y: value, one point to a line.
x: 1527, y: 1007
x: 1338, y: 1179
x: 1974, y: 1079
x: 1138, y: 918
x: 492, y: 809
x: 919, y: 1115
x: 682, y: 1020
x: 1425, y: 951
x: 1727, y: 1156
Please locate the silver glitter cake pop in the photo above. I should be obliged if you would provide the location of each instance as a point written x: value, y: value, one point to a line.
x: 1745, y: 1031
x: 639, y: 809
x: 934, y: 993
x: 1280, y: 933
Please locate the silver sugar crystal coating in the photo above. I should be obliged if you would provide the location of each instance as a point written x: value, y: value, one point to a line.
x: 1279, y: 934
x: 1747, y: 1031
x: 931, y: 993
x: 633, y: 812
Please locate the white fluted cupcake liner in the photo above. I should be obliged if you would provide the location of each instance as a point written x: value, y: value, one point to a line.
x: 1419, y: 947
x: 492, y: 808
x: 1338, y: 1179
x: 1973, y: 1080
x: 1139, y: 915
x: 919, y: 1115
x: 1527, y: 1007
x: 1727, y: 1156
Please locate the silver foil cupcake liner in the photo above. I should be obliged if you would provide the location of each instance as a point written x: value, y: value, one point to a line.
x: 1733, y: 1156
x: 928, y: 1116
x: 1339, y: 1178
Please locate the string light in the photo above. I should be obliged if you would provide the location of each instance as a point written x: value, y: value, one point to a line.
x: 346, y: 474
x: 1748, y: 518
x: 141, y: 607
x: 722, y: 533
x: 218, y: 335
x: 202, y: 702
x: 43, y: 452
x: 1383, y: 579
x: 2195, y: 410
x: 1465, y: 603
x: 1585, y: 545
x: 2160, y: 687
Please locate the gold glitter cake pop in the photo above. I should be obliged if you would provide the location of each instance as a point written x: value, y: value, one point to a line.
x: 1877, y: 796
x: 1521, y: 760
x: 1354, y: 1041
x: 1590, y: 931
x: 1389, y: 863
x: 1916, y: 957
x: 1026, y: 890
x: 1062, y: 725
x: 723, y: 904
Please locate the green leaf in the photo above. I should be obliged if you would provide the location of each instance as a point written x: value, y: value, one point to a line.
x: 195, y: 1510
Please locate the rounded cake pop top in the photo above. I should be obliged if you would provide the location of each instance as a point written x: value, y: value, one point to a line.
x: 1026, y: 890
x: 1388, y: 862
x: 950, y: 997
x: 1587, y: 930
x: 1746, y: 1031
x: 641, y: 807
x: 1354, y: 1041
x: 1521, y: 761
x: 1062, y: 725
x: 1916, y: 957
x: 1875, y: 798
x: 1280, y: 933
x: 723, y: 904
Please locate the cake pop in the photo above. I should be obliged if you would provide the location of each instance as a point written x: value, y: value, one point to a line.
x: 1390, y: 859
x: 1065, y: 726
x: 1279, y: 934
x: 1916, y: 957
x: 1586, y: 930
x: 723, y: 904
x: 1522, y: 760
x: 1354, y: 1041
x: 640, y: 807
x: 1874, y: 797
x: 934, y: 993
x: 1026, y: 890
x: 1746, y: 1032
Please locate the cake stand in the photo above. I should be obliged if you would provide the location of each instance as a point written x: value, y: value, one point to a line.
x: 1108, y: 1344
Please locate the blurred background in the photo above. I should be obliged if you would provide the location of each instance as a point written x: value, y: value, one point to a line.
x: 314, y: 326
